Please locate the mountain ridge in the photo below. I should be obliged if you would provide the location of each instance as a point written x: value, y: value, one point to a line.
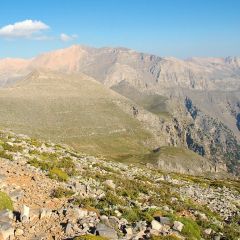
x: 202, y: 95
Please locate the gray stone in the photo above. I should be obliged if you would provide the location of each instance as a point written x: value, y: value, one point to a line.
x: 16, y: 195
x: 6, y: 230
x: 68, y: 229
x: 6, y: 215
x: 106, y: 231
x: 104, y: 219
x: 45, y: 213
x: 2, y: 176
x: 79, y: 187
x: 165, y: 220
x: 34, y: 214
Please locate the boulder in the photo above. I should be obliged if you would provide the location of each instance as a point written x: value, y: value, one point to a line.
x: 105, y: 231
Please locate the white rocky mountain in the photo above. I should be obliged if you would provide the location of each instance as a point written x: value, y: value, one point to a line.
x: 201, y: 96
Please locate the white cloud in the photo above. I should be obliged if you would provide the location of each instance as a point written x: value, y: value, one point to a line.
x: 66, y: 38
x: 25, y: 29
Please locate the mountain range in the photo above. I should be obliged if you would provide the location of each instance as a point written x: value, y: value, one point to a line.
x: 182, y: 115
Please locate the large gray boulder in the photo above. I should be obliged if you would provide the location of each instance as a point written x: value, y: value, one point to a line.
x: 105, y: 231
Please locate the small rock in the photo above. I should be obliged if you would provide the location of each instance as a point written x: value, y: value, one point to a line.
x: 79, y: 187
x: 68, y: 229
x: 25, y: 213
x: 19, y: 232
x: 6, y: 230
x: 164, y: 220
x: 6, y: 215
x: 82, y: 213
x: 156, y: 225
x: 208, y: 231
x: 178, y: 226
x: 45, y: 213
x: 110, y: 184
x: 129, y: 231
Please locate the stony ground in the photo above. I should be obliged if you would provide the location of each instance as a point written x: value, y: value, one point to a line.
x: 57, y: 193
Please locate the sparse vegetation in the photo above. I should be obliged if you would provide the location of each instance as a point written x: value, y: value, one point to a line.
x: 191, y: 229
x: 169, y: 237
x: 90, y: 237
x: 58, y: 174
x: 60, y: 192
x: 3, y: 154
x: 5, y: 202
x: 11, y: 148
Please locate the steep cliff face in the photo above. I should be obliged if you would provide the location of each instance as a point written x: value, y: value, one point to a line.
x: 206, y: 136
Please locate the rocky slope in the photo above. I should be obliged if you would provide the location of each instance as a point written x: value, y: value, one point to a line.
x: 49, y: 191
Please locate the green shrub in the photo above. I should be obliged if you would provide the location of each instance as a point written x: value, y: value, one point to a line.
x: 35, y: 143
x: 90, y: 237
x: 132, y: 214
x: 13, y: 148
x: 169, y: 237
x: 68, y: 164
x: 3, y: 154
x: 58, y: 174
x: 191, y: 229
x: 60, y: 192
x: 85, y: 202
x: 5, y: 202
x: 40, y: 164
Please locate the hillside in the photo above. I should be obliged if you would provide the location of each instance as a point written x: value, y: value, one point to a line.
x: 50, y: 191
x: 72, y: 109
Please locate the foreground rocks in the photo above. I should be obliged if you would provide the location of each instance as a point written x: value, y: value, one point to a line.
x: 81, y: 195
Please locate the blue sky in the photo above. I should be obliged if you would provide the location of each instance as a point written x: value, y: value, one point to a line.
x: 180, y: 28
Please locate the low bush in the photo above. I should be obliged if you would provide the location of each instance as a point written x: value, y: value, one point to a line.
x: 90, y: 237
x: 191, y: 229
x: 3, y: 154
x: 58, y: 174
x: 11, y: 148
x: 61, y: 192
x: 169, y: 237
x: 5, y: 202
